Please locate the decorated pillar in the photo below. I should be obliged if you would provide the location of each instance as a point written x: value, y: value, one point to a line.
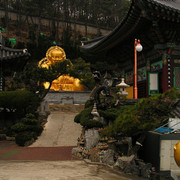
x: 1, y: 82
x: 176, y: 67
x: 148, y: 69
x: 167, y: 73
x: 167, y: 65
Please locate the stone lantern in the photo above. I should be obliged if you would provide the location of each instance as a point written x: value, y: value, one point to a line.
x: 122, y: 88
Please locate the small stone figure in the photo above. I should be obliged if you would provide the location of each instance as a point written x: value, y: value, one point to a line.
x: 95, y: 113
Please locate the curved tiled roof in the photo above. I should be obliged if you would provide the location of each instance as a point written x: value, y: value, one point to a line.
x: 148, y: 20
x: 9, y: 53
x: 175, y: 4
x: 14, y: 57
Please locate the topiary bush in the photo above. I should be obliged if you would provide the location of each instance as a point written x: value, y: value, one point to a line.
x: 16, y: 104
x: 89, y: 103
x: 20, y: 101
x: 85, y: 119
x: 110, y: 114
x: 25, y: 136
x: 147, y: 114
x: 19, y: 127
x: 29, y: 128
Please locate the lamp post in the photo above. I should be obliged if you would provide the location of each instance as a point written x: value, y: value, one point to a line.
x: 137, y: 48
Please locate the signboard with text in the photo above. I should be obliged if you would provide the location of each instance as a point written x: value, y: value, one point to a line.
x: 153, y: 84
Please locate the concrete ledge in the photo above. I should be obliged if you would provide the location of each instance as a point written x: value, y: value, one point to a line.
x: 67, y: 97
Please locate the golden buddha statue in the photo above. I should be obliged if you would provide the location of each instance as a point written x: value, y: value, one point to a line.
x: 64, y: 83
x: 177, y: 153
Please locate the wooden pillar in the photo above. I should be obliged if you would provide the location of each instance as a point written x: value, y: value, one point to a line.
x: 164, y: 72
x: 148, y: 68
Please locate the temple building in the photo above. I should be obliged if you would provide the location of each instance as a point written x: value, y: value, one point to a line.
x: 156, y: 23
x: 11, y: 61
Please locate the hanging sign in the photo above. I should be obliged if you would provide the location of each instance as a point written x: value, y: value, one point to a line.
x: 153, y: 84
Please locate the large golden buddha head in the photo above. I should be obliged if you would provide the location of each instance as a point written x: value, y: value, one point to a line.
x: 55, y: 54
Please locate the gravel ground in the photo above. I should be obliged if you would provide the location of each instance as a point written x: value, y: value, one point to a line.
x: 58, y: 170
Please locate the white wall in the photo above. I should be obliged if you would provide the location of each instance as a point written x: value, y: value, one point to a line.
x: 167, y: 161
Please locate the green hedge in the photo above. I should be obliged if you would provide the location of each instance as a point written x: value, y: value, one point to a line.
x: 110, y: 114
x: 20, y: 101
x: 23, y: 137
x: 29, y: 128
x: 89, y: 103
x: 147, y: 114
x: 85, y: 119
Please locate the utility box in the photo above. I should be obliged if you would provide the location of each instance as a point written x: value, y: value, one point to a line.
x: 158, y: 149
x: 167, y: 161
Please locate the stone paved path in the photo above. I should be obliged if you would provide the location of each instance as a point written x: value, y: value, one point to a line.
x: 60, y: 130
x: 10, y: 151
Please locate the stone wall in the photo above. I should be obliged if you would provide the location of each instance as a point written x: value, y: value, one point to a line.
x: 47, y: 22
x: 67, y: 97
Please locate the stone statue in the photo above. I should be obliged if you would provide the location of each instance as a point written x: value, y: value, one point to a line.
x: 64, y: 83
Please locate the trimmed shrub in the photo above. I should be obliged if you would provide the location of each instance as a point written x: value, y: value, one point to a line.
x: 89, y: 103
x: 77, y: 118
x: 29, y: 128
x: 147, y: 114
x: 25, y: 136
x: 20, y: 101
x: 110, y: 114
x: 85, y: 119
x: 19, y: 127
x: 91, y: 124
x: 28, y: 120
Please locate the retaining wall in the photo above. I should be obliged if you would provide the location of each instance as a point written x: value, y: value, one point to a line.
x: 67, y: 97
x: 78, y: 26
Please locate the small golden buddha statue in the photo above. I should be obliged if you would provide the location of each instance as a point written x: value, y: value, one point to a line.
x: 64, y: 83
x: 177, y: 153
